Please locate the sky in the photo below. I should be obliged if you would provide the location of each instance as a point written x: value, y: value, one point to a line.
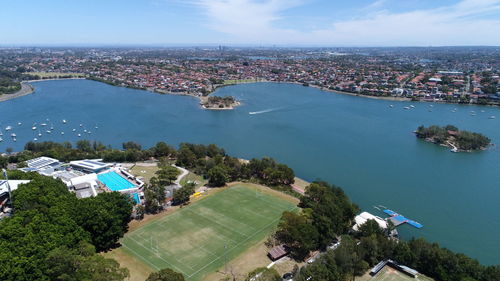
x: 250, y: 22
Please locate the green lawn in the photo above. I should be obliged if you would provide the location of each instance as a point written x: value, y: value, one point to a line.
x: 199, y: 239
x: 192, y: 177
x: 390, y: 274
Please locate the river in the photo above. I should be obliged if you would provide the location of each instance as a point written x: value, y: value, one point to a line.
x: 362, y: 145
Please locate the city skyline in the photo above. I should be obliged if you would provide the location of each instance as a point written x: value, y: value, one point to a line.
x: 252, y: 23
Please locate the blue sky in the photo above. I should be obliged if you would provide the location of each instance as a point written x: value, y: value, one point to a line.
x: 250, y: 22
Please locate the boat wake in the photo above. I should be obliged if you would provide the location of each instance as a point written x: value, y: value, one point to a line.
x: 264, y: 111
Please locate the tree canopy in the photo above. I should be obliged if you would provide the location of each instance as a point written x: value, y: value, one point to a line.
x: 49, y: 221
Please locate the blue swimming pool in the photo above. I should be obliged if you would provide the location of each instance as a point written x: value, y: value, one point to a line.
x: 136, y: 198
x: 114, y: 181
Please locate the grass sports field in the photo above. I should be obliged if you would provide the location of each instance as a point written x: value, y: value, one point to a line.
x: 390, y: 274
x: 199, y: 239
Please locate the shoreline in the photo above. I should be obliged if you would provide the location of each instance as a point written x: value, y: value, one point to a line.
x: 23, y: 92
x: 26, y: 89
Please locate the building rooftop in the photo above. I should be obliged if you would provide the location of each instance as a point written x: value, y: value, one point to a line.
x: 42, y: 162
x: 93, y: 165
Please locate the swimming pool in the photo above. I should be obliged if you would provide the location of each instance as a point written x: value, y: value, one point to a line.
x: 114, y: 181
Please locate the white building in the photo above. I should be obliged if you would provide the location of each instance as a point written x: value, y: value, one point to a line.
x: 84, y: 185
x: 90, y: 166
x: 42, y: 165
x: 364, y: 217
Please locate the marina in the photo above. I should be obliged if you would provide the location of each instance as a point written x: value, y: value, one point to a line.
x: 398, y: 219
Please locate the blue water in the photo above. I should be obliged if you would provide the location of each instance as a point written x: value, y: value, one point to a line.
x: 136, y: 198
x: 114, y: 181
x: 360, y: 144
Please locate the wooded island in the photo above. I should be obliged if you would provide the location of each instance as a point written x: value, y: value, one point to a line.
x: 454, y: 138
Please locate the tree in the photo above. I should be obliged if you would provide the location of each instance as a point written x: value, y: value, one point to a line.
x: 217, y: 176
x: 167, y: 175
x: 298, y: 234
x: 154, y: 195
x: 161, y: 149
x: 81, y: 263
x: 182, y: 194
x: 166, y: 274
x: 105, y: 217
x: 370, y: 227
x: 332, y: 211
x: 130, y: 145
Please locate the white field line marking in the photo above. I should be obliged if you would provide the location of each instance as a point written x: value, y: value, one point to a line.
x: 239, y: 244
x: 236, y: 220
x: 176, y: 268
x: 209, y: 219
x: 157, y: 254
x: 250, y: 211
x: 141, y: 257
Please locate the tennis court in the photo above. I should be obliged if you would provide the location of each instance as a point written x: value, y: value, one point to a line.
x: 199, y: 239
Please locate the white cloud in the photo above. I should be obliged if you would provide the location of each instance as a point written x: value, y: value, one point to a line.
x: 254, y: 21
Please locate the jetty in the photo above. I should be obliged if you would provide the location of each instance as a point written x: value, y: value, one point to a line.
x: 398, y: 219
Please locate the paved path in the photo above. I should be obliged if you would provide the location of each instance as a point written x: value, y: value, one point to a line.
x: 181, y: 176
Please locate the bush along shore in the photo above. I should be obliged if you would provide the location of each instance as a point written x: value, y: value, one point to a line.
x: 453, y: 138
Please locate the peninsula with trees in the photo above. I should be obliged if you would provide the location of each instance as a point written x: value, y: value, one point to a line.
x: 451, y: 136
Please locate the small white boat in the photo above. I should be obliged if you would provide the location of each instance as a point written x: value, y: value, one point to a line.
x: 492, y: 117
x: 62, y: 133
x: 8, y: 128
x: 431, y: 105
x: 13, y: 135
x: 81, y: 125
x: 85, y: 130
x: 35, y: 139
x: 74, y: 130
x: 43, y: 124
x: 14, y: 139
x: 412, y: 106
x: 406, y: 107
x: 39, y: 133
x: 79, y: 135
x: 19, y: 123
x: 64, y: 121
x: 391, y: 106
x: 454, y: 150
x: 48, y: 131
x: 88, y: 132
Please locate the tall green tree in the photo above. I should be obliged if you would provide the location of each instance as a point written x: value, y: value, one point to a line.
x: 218, y: 176
x: 167, y: 175
x: 298, y: 234
x: 166, y: 274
